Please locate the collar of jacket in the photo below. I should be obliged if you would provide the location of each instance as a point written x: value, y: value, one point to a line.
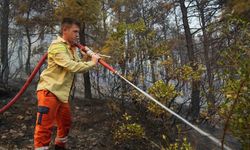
x: 71, y: 50
x: 59, y: 39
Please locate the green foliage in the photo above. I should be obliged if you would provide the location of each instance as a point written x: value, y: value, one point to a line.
x: 128, y: 130
x: 35, y: 16
x: 137, y: 27
x: 163, y: 93
x: 115, y: 48
x: 86, y: 11
x: 238, y: 8
x: 122, y: 28
x: 180, y: 145
x: 236, y: 69
x: 187, y: 73
x: 115, y: 44
x: 162, y: 48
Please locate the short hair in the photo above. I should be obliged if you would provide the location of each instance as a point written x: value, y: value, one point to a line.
x: 68, y: 22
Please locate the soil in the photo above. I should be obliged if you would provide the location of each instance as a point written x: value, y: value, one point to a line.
x: 94, y: 122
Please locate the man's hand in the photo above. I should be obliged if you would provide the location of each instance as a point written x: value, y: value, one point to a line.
x: 95, y: 58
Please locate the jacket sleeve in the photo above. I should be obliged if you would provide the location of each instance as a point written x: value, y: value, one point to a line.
x: 61, y: 57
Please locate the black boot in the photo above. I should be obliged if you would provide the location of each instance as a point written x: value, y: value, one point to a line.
x: 59, y: 148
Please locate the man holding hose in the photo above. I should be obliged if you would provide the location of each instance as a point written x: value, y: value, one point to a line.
x: 54, y: 86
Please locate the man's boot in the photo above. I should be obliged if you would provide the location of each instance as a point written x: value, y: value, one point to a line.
x: 59, y: 148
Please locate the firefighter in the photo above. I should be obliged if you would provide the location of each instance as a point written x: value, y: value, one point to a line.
x: 54, y: 86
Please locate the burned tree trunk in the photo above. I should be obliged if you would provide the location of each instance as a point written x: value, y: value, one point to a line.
x: 195, y: 93
x: 4, y: 42
x: 86, y: 76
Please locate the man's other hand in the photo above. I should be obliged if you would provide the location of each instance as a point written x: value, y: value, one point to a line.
x: 95, y: 58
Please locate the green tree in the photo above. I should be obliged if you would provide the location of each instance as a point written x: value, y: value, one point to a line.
x: 195, y: 94
x: 238, y: 8
x: 35, y: 19
x: 236, y: 69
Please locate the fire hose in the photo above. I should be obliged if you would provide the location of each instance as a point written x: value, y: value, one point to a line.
x: 111, y: 69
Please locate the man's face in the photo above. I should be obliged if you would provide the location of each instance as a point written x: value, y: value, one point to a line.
x: 71, y: 34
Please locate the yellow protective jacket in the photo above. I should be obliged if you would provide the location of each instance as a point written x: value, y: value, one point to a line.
x: 63, y: 62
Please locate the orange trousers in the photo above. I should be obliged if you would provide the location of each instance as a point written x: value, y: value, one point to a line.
x: 51, y: 112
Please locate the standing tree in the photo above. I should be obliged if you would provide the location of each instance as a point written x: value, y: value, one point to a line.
x: 235, y: 70
x: 207, y: 11
x: 195, y: 94
x: 4, y: 41
x: 35, y: 18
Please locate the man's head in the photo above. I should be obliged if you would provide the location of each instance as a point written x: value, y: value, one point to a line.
x: 70, y: 29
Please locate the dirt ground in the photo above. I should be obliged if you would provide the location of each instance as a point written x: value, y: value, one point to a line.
x: 94, y: 122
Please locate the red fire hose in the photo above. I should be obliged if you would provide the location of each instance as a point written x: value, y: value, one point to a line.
x: 27, y: 83
x: 88, y: 51
x: 84, y: 48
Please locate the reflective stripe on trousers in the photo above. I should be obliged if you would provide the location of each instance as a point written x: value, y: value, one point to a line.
x: 42, y: 148
x: 62, y: 140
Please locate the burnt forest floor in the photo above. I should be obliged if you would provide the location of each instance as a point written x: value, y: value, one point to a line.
x: 94, y: 122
